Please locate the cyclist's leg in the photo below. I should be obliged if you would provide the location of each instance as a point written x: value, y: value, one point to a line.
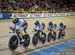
x: 41, y: 31
x: 25, y: 28
x: 14, y: 26
x: 21, y: 33
x: 63, y: 34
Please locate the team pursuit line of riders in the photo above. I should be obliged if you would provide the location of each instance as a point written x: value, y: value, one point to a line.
x: 23, y: 38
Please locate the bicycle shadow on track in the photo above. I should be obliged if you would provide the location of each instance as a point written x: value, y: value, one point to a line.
x: 18, y: 52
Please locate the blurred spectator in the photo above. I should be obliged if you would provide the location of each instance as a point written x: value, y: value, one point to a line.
x: 50, y: 5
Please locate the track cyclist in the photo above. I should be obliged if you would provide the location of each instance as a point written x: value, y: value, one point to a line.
x: 52, y: 26
x: 62, y: 26
x: 62, y: 30
x: 39, y: 27
x: 20, y: 26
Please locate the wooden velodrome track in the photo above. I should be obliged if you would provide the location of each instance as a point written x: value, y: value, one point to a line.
x: 4, y: 32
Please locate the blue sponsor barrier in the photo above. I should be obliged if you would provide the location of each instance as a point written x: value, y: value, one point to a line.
x: 1, y: 15
x: 6, y: 15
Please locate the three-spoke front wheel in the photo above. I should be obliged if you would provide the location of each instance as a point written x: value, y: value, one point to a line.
x: 49, y: 37
x: 35, y: 39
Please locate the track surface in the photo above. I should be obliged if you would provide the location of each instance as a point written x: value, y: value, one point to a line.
x: 4, y: 33
x: 55, y: 49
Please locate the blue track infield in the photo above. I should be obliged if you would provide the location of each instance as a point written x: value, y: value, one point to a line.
x: 55, y: 49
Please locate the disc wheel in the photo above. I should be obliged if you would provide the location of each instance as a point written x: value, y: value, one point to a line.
x: 26, y: 40
x: 43, y: 38
x: 13, y: 42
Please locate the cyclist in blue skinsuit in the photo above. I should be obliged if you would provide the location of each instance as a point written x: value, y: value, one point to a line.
x: 62, y: 29
x: 62, y: 26
x: 52, y: 26
x: 19, y: 24
x: 39, y: 26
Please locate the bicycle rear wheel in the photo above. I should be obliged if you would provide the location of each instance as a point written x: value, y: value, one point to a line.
x: 26, y: 40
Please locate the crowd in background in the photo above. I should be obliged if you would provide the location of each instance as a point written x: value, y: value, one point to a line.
x: 37, y: 5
